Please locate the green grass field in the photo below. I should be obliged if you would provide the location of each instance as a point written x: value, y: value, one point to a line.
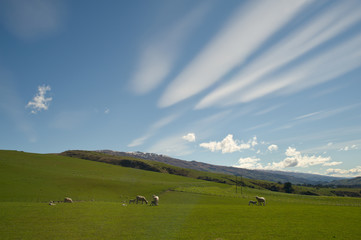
x: 189, y: 208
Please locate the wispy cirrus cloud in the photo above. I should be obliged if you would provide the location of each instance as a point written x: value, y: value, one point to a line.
x: 32, y: 19
x: 172, y: 145
x: 246, y: 30
x: 11, y: 105
x: 252, y: 82
x: 70, y: 120
x: 152, y: 130
x: 158, y: 56
x: 40, y: 102
x: 326, y: 113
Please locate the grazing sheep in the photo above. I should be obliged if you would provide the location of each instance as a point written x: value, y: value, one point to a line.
x: 142, y: 199
x: 252, y: 202
x: 132, y: 201
x: 261, y: 200
x: 155, y: 201
x: 68, y: 200
x: 51, y: 203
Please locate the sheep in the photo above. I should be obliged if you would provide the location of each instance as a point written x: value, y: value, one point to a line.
x: 252, y: 202
x: 142, y: 199
x: 68, y: 200
x: 155, y: 201
x: 261, y: 200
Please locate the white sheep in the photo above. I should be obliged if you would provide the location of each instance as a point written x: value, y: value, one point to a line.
x: 155, y: 201
x: 142, y: 199
x: 261, y: 200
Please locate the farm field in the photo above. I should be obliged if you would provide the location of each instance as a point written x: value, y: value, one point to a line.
x: 189, y: 208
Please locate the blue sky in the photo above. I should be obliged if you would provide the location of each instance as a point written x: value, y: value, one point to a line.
x: 253, y: 84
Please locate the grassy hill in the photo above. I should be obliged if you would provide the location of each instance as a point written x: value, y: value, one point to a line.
x: 267, y: 175
x: 43, y: 177
x: 155, y: 166
x: 189, y: 208
x: 353, y: 182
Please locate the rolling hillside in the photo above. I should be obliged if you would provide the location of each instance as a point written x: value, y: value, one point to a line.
x: 189, y: 208
x: 274, y: 176
x: 33, y: 177
x: 228, y: 179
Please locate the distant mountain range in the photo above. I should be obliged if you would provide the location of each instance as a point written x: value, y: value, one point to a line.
x: 275, y: 176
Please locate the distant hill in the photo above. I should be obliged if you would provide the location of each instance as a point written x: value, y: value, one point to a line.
x: 274, y: 176
x: 353, y: 182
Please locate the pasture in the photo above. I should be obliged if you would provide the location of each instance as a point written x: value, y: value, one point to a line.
x: 188, y: 208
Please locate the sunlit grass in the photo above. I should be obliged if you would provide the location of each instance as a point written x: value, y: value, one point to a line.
x: 189, y: 208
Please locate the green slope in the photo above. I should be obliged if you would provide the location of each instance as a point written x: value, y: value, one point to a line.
x: 45, y: 177
x: 194, y: 209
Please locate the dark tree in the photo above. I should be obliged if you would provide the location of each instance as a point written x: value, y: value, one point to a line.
x: 287, y: 187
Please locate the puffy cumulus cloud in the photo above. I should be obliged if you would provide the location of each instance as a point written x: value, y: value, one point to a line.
x: 229, y: 145
x: 272, y: 147
x: 249, y: 162
x: 343, y: 172
x: 40, y: 102
x: 190, y: 137
x: 296, y: 159
x: 253, y: 141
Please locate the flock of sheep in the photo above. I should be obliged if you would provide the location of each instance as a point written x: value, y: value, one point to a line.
x: 142, y: 199
x: 260, y: 201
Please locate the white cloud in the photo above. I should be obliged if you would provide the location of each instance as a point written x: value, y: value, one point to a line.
x: 228, y: 145
x: 348, y: 148
x: 32, y: 19
x: 158, y: 56
x: 345, y: 173
x: 253, y: 142
x: 272, y: 147
x: 40, y: 102
x: 332, y: 164
x: 190, y: 137
x: 249, y: 162
x: 324, y: 67
x: 138, y: 141
x: 246, y: 30
x: 296, y: 159
x: 247, y: 85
